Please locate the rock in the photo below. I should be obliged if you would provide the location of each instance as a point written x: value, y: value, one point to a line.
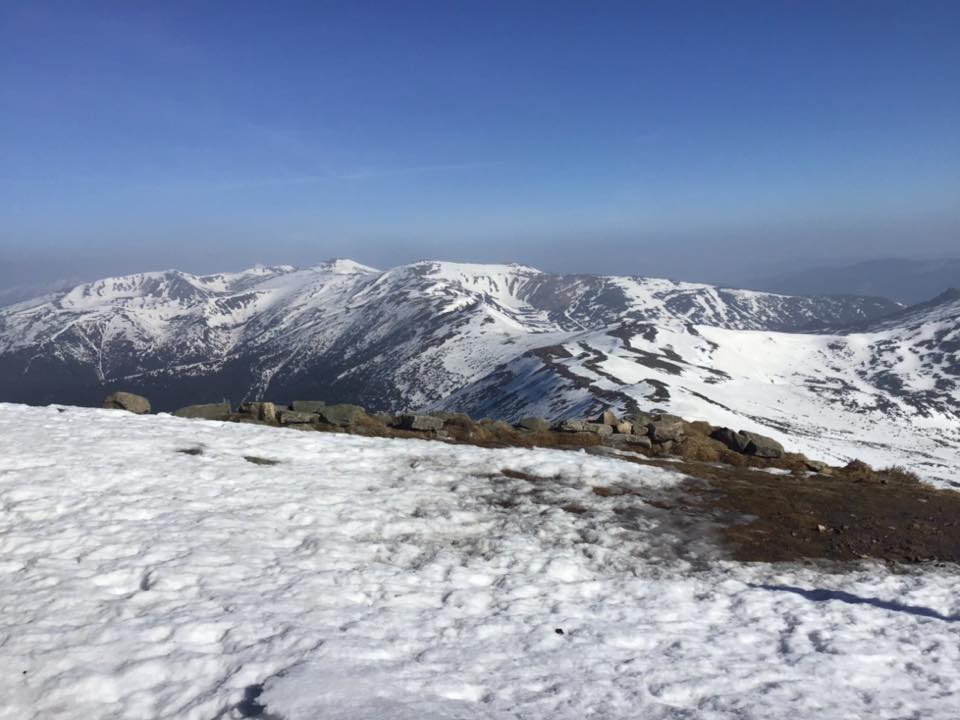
x: 264, y: 411
x: 296, y: 417
x: 421, y: 423
x: 385, y: 418
x: 307, y: 406
x: 731, y: 438
x: 816, y: 466
x: 762, y: 446
x: 630, y: 439
x: 607, y: 418
x: 534, y: 424
x: 497, y: 426
x: 597, y: 428
x: 668, y: 428
x: 569, y: 426
x: 209, y: 411
x: 624, y: 427
x: 667, y: 417
x: 137, y: 404
x: 343, y: 415
x: 640, y: 421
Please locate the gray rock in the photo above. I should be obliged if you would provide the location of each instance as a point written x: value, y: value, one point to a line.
x: 421, y: 423
x: 629, y: 439
x: 762, y: 446
x: 264, y: 411
x: 343, y: 415
x: 608, y: 418
x: 667, y: 417
x: 816, y: 466
x: 640, y: 421
x: 307, y: 406
x: 454, y: 417
x: 665, y: 430
x: 731, y: 438
x: 296, y: 417
x: 137, y: 404
x: 535, y: 424
x: 209, y: 411
x: 598, y: 428
x: 569, y: 426
x: 624, y: 427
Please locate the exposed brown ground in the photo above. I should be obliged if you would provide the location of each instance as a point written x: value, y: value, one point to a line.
x: 851, y: 515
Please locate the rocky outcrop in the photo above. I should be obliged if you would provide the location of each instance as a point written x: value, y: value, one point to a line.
x: 296, y: 417
x: 423, y: 423
x: 534, y: 424
x: 137, y: 404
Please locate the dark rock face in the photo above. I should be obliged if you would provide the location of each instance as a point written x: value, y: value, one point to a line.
x: 731, y: 438
x: 748, y: 443
x: 422, y: 423
x: 212, y: 411
x: 136, y: 404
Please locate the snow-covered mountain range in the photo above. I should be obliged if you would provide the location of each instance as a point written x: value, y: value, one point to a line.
x: 835, y: 376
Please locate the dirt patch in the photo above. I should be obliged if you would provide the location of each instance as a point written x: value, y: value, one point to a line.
x: 857, y: 513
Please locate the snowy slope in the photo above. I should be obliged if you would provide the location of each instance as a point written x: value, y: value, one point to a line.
x: 364, y: 579
x: 404, y: 337
x: 889, y: 395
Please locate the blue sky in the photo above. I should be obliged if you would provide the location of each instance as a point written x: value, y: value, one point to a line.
x: 675, y: 138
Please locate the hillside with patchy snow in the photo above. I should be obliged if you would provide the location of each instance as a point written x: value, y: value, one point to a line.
x: 153, y: 567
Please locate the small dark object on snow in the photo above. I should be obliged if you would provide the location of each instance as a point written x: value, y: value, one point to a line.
x: 559, y: 631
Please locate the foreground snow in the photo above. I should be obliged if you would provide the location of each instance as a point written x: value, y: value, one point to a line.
x: 368, y: 578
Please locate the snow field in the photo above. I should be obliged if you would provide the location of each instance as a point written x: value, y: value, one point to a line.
x: 371, y: 578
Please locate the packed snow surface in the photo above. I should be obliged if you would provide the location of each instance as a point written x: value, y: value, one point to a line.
x: 368, y: 578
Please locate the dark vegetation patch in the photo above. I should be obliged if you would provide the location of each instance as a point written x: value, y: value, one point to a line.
x: 191, y: 451
x: 260, y: 460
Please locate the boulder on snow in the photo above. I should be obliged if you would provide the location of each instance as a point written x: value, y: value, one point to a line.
x: 136, y: 404
x: 534, y: 424
x: 307, y: 406
x: 421, y: 423
x: 343, y: 415
x: 208, y: 411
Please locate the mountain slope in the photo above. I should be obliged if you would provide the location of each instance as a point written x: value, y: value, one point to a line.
x: 405, y: 337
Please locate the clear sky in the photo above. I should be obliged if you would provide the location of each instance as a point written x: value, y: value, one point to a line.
x: 662, y: 138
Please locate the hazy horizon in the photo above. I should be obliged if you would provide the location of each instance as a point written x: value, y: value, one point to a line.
x: 690, y: 140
